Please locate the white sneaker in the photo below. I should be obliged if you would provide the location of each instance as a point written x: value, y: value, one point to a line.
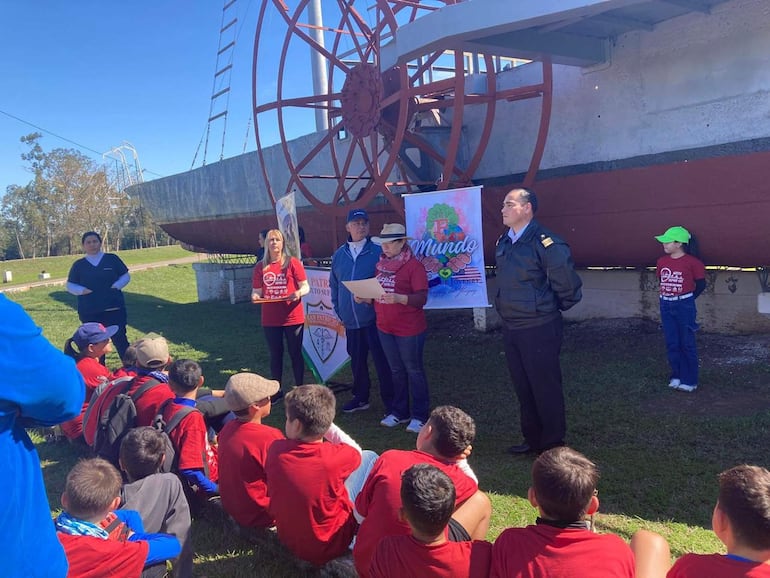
x: 674, y: 383
x: 391, y: 420
x: 688, y: 388
x: 415, y: 426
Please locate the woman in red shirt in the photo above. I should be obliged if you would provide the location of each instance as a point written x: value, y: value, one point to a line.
x: 402, y: 326
x: 278, y: 284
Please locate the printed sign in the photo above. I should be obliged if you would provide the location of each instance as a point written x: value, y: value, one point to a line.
x: 446, y: 233
x: 323, y: 341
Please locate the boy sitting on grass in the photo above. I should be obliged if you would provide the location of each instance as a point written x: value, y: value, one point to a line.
x: 428, y: 502
x: 741, y: 520
x: 196, y: 460
x: 562, y: 542
x: 444, y: 441
x: 311, y: 484
x: 243, y: 445
x: 99, y: 541
x: 157, y: 497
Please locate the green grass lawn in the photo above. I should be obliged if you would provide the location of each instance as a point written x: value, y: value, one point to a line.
x: 659, y: 450
x: 27, y: 270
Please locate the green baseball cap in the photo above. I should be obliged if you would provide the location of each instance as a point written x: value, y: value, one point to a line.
x: 678, y: 234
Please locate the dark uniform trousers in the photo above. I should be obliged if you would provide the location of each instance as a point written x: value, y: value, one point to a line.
x: 533, y: 361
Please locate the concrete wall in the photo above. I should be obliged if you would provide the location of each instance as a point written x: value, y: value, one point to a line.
x: 217, y: 282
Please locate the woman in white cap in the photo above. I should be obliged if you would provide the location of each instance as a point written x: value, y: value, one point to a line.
x: 402, y: 326
x: 682, y: 278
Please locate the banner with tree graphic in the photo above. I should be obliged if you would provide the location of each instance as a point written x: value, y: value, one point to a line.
x: 445, y: 227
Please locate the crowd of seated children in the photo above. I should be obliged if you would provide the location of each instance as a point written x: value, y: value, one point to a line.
x: 196, y: 460
x: 310, y: 483
x: 100, y: 540
x: 444, y: 441
x: 242, y: 449
x: 561, y: 543
x: 741, y: 520
x: 428, y: 502
x: 158, y: 497
x: 89, y: 343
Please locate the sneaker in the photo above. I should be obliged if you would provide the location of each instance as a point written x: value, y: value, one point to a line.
x: 687, y: 388
x: 355, y: 405
x: 391, y: 420
x: 415, y: 426
x: 674, y: 383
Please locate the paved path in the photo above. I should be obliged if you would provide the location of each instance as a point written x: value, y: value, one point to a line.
x: 196, y: 258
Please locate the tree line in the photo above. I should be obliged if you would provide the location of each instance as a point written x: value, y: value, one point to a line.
x: 70, y: 194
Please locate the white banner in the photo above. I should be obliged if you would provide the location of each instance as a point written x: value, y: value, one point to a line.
x: 447, y: 237
x: 286, y: 212
x: 324, y: 339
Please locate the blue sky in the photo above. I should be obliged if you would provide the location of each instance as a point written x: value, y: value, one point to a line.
x: 100, y: 73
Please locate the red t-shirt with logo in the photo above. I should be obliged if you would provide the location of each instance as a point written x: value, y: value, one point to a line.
x: 242, y: 482
x: 678, y: 276
x: 396, y: 318
x: 278, y: 283
x: 380, y: 499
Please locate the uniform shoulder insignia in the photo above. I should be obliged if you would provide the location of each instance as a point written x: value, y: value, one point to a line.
x: 546, y: 241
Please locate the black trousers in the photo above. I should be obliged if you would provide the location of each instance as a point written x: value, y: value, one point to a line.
x: 533, y: 362
x: 360, y: 342
x: 274, y: 337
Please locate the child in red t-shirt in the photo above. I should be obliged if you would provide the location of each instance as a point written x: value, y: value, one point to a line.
x: 741, y: 521
x: 87, y: 346
x: 196, y: 460
x: 99, y: 541
x: 562, y: 542
x: 428, y: 502
x: 310, y: 483
x: 242, y: 449
x: 682, y: 278
x: 444, y: 441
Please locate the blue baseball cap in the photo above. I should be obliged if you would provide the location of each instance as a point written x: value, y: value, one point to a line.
x: 90, y: 333
x: 357, y: 214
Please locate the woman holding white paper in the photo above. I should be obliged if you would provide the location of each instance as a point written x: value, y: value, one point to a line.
x: 402, y: 326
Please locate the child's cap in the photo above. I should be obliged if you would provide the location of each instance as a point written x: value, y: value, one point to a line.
x: 90, y: 333
x: 243, y: 389
x: 151, y: 351
x: 678, y: 234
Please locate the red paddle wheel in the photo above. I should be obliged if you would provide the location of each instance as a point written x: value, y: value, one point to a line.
x: 387, y: 132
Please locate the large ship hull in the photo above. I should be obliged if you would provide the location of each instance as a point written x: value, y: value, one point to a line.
x: 673, y: 130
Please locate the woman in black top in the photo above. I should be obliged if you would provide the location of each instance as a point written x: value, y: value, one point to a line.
x: 97, y: 279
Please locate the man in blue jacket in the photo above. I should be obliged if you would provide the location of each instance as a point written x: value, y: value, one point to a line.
x: 41, y: 387
x: 357, y: 259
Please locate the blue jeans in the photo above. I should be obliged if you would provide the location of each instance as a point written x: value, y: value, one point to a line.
x: 405, y: 359
x: 679, y: 326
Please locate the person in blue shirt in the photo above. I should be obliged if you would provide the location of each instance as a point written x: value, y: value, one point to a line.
x: 41, y: 387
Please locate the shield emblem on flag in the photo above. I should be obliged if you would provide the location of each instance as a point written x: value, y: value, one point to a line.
x: 324, y: 329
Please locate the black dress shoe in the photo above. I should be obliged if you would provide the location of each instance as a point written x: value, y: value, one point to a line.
x: 520, y: 449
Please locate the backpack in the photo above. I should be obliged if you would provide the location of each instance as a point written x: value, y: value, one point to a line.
x: 111, y: 414
x: 171, y: 461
